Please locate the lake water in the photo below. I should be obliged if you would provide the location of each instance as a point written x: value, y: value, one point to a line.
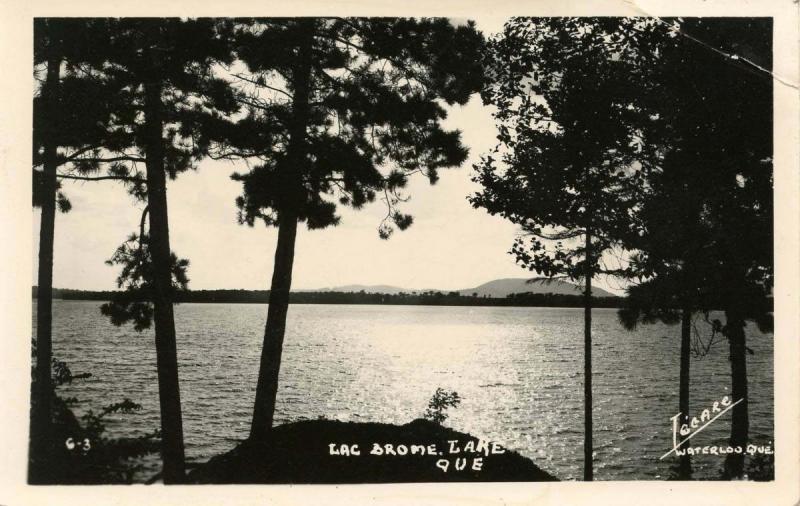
x: 517, y: 370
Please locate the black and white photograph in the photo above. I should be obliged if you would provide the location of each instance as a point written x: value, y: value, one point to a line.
x: 330, y: 248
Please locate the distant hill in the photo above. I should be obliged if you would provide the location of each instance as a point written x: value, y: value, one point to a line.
x: 507, y: 286
x: 392, y: 290
x: 498, y: 288
x: 537, y: 294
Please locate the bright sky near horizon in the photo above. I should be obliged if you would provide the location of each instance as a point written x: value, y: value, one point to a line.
x: 449, y: 246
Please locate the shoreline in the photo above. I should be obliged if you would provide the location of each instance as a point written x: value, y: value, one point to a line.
x: 324, y: 452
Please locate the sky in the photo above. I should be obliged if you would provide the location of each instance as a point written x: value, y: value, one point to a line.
x: 450, y: 245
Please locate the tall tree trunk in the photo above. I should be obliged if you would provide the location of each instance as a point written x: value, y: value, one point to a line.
x: 734, y: 462
x: 685, y: 463
x: 269, y: 368
x: 40, y: 437
x: 172, y: 452
x: 588, y: 466
x: 267, y: 387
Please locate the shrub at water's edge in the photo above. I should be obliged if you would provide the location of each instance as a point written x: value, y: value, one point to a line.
x: 77, y: 449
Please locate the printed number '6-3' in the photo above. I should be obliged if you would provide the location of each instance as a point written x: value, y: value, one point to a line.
x: 71, y: 444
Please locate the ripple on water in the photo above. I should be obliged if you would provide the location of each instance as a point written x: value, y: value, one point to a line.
x: 518, y: 371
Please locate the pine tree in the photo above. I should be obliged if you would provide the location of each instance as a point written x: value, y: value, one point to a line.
x: 736, y: 154
x: 50, y: 52
x: 71, y: 140
x: 572, y: 155
x: 708, y: 215
x: 167, y: 68
x: 340, y: 111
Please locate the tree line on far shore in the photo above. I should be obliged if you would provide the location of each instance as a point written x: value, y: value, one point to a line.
x: 429, y: 298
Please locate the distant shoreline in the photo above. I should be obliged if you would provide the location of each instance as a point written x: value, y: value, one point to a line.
x: 363, y: 298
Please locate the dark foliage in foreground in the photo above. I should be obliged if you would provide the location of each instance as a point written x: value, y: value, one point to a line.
x: 299, y: 453
x: 83, y: 455
x: 78, y: 449
x: 707, y: 217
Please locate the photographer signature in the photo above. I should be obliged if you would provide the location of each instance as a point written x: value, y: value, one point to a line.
x: 693, y: 427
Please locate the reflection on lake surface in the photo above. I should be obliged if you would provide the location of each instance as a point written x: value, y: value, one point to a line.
x: 518, y: 371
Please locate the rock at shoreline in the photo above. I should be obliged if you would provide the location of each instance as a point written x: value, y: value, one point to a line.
x: 300, y: 453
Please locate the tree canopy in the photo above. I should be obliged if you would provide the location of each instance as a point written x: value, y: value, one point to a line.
x: 573, y: 152
x: 188, y: 107
x: 708, y: 211
x: 369, y: 93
